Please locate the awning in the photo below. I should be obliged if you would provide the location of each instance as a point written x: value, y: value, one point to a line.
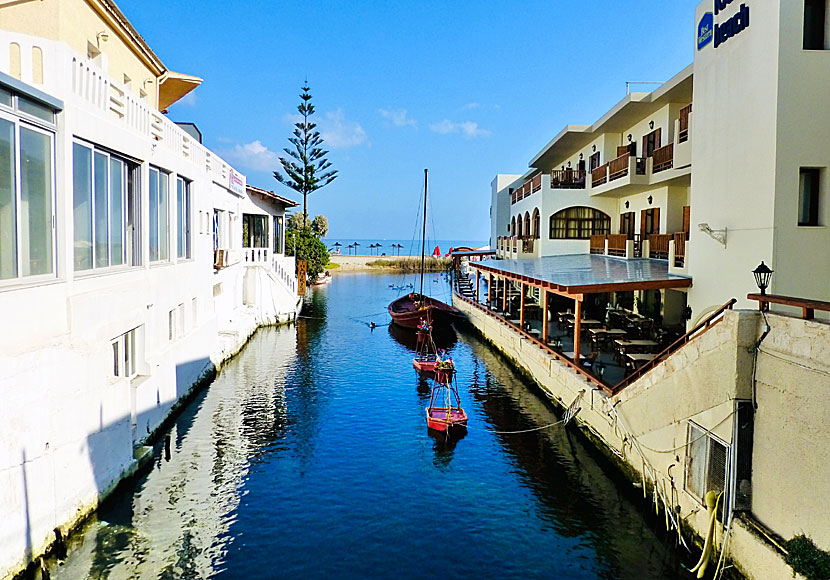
x: 174, y: 86
x: 462, y: 253
x: 577, y: 274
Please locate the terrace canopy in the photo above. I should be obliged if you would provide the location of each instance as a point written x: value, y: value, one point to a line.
x: 576, y: 275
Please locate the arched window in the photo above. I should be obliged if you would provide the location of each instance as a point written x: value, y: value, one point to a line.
x: 513, y: 226
x: 578, y: 223
x: 518, y: 231
x: 536, y: 224
x: 527, y: 224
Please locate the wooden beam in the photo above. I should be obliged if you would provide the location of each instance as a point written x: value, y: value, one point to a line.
x: 522, y: 307
x: 544, y: 297
x: 504, y: 296
x: 577, y: 329
x: 489, y: 289
x: 478, y: 283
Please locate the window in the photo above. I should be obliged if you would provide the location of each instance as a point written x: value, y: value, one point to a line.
x: 159, y: 216
x: 649, y: 222
x: 124, y: 351
x: 183, y: 217
x: 26, y: 198
x: 651, y: 142
x: 627, y: 224
x: 278, y: 234
x: 594, y: 161
x: 808, y: 194
x: 104, y: 209
x: 706, y: 463
x: 578, y: 223
x: 815, y: 13
x: 254, y: 231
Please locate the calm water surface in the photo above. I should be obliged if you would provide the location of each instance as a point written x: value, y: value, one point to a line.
x: 309, y: 457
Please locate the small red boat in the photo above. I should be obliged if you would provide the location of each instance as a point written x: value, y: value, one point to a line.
x: 428, y: 356
x: 410, y: 310
x: 444, y: 412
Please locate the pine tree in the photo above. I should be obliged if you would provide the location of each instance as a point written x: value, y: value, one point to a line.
x: 306, y: 167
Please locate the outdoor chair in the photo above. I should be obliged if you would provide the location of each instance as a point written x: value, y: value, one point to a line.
x: 588, y: 361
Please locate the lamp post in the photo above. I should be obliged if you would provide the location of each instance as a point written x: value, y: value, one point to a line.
x: 763, y: 274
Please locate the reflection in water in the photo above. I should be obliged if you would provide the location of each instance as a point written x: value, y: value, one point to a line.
x: 443, y: 337
x: 309, y: 457
x: 444, y: 443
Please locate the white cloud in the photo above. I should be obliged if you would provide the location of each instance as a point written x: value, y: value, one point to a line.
x: 397, y: 117
x: 337, y: 131
x: 254, y: 155
x: 189, y: 99
x: 469, y: 129
x: 472, y: 106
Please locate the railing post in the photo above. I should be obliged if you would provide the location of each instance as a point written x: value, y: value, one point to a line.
x: 577, y: 330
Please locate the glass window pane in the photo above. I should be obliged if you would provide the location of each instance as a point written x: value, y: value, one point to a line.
x: 36, y: 202
x: 35, y: 109
x: 164, y: 219
x: 180, y: 215
x: 154, y: 215
x: 8, y: 222
x: 116, y: 212
x: 101, y: 166
x: 82, y: 205
x: 696, y: 461
x: 5, y: 97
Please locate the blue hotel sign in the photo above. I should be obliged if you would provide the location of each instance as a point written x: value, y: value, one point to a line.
x: 707, y: 30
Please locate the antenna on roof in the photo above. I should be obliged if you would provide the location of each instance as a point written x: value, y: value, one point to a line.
x: 629, y: 83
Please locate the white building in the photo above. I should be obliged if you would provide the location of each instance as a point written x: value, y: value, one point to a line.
x: 722, y: 166
x: 124, y: 280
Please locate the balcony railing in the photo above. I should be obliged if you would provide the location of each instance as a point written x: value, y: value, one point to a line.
x: 679, y: 249
x: 599, y: 175
x: 617, y: 244
x: 527, y: 244
x: 663, y: 158
x: 254, y: 255
x: 567, y: 179
x: 658, y: 246
x: 526, y: 189
x: 683, y: 134
x: 618, y: 167
x: 598, y: 244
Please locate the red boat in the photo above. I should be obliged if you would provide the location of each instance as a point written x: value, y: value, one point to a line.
x: 444, y: 412
x: 429, y: 357
x: 410, y: 310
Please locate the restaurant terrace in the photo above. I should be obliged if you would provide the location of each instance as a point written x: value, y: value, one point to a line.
x: 580, y: 307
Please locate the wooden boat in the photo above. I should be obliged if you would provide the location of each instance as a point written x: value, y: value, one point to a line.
x: 444, y: 412
x: 323, y: 278
x: 429, y: 357
x: 410, y: 310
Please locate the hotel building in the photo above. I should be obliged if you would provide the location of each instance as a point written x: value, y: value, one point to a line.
x: 133, y: 261
x: 664, y: 207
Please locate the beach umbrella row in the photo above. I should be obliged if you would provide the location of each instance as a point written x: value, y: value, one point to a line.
x: 375, y: 247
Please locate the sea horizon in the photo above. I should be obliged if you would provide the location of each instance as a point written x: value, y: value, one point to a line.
x: 410, y: 248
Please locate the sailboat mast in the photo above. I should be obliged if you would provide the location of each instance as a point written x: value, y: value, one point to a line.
x: 424, y: 234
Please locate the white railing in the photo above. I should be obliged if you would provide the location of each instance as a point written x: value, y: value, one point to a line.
x: 68, y: 75
x: 284, y: 267
x: 256, y: 255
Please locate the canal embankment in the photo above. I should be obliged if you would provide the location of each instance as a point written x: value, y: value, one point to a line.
x: 644, y: 429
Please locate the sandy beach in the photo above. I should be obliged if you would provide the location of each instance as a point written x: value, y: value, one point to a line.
x: 351, y: 263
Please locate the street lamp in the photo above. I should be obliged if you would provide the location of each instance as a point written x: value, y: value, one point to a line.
x: 762, y: 277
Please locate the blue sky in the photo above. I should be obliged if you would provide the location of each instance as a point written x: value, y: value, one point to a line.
x: 466, y: 89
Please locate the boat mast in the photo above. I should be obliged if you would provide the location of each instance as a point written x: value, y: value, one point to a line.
x: 424, y: 234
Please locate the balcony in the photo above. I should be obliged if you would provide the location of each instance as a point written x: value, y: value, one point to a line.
x: 528, y: 187
x: 567, y: 179
x: 663, y: 158
x: 683, y: 128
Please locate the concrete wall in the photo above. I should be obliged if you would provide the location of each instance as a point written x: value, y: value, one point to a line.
x: 790, y: 456
x: 701, y: 382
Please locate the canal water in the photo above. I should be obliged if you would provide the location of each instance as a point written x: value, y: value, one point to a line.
x: 309, y: 457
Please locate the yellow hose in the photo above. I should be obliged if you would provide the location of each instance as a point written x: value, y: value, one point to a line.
x: 712, y: 502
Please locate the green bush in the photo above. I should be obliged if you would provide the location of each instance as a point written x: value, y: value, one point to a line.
x: 308, y: 247
x: 807, y: 559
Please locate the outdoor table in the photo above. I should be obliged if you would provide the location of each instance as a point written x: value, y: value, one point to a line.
x: 637, y: 345
x: 589, y: 323
x: 636, y: 360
